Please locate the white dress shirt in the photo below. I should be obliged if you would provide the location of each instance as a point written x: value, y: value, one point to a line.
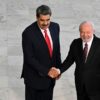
x: 89, y: 45
x: 48, y: 32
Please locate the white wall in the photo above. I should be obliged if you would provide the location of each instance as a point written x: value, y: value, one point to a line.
x: 15, y: 15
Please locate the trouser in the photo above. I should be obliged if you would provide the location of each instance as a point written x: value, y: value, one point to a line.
x: 86, y: 96
x: 34, y: 94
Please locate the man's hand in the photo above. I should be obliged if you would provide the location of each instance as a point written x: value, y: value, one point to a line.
x: 54, y: 72
x: 58, y: 77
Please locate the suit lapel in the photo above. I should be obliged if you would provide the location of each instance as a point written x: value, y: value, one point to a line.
x: 42, y: 40
x: 92, y: 50
x: 80, y: 52
x: 52, y: 36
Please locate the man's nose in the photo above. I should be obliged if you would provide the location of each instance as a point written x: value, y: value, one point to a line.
x: 85, y: 34
x: 45, y: 23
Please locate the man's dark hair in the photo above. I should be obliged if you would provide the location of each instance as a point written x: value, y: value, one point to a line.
x: 43, y: 10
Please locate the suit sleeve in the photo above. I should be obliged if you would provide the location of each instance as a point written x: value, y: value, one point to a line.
x: 29, y: 57
x: 69, y: 59
x: 58, y: 54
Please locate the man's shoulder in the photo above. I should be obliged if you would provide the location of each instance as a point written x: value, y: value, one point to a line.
x: 30, y: 28
x: 96, y: 40
x: 54, y: 26
x: 54, y: 23
x: 77, y: 40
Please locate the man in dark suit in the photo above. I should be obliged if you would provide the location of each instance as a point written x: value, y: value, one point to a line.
x: 85, y: 52
x: 41, y: 51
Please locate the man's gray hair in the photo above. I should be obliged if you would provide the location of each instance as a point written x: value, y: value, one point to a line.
x: 87, y: 22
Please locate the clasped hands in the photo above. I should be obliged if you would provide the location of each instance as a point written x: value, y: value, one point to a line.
x: 54, y: 73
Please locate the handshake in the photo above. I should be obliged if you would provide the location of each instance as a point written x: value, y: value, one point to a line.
x: 54, y: 73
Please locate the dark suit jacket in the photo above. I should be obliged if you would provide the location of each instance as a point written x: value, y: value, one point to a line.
x: 86, y: 74
x: 37, y: 61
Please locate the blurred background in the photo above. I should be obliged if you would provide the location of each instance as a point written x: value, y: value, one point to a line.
x: 15, y: 16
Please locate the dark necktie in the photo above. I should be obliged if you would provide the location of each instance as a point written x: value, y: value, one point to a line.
x: 47, y: 39
x: 85, y: 51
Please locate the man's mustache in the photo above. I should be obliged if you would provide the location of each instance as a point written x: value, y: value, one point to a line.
x: 45, y: 25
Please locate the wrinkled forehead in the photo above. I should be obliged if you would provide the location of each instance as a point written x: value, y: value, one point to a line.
x: 88, y: 26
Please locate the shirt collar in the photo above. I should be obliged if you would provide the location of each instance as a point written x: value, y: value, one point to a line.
x: 42, y: 30
x: 90, y: 42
